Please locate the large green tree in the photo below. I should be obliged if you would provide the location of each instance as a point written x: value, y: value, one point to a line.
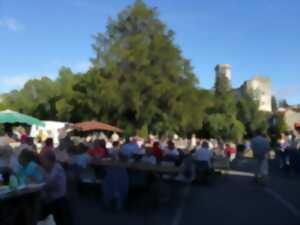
x: 221, y: 120
x: 44, y: 98
x: 65, y: 83
x: 249, y: 114
x: 139, y: 79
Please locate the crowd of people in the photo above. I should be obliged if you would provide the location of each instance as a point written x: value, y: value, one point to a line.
x: 33, y: 162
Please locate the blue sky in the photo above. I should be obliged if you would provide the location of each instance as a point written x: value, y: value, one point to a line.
x: 257, y: 37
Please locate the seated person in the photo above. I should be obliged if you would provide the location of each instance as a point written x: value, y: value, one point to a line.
x: 79, y: 155
x: 49, y: 146
x: 61, y: 152
x: 115, y: 186
x: 99, y: 149
x: 30, y: 171
x: 149, y: 158
x: 31, y: 144
x: 79, y: 163
x: 204, y: 154
x: 129, y: 149
x: 114, y: 151
x: 54, y: 192
x: 203, y: 162
x: 171, y: 150
x: 157, y: 151
x: 171, y: 155
x: 23, y: 145
x: 8, y: 159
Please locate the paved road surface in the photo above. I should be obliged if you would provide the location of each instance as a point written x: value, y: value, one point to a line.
x: 232, y: 199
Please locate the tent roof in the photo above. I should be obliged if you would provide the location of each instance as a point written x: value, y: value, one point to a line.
x: 94, y: 126
x: 9, y: 116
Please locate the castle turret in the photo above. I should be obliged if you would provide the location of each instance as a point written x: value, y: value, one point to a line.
x: 223, y: 70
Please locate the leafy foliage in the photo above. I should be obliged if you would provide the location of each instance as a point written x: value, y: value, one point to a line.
x: 279, y: 125
x: 141, y: 78
x: 140, y: 81
x: 274, y: 104
x: 249, y: 114
x: 44, y: 98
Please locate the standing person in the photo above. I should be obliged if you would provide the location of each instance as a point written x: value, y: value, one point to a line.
x: 193, y: 142
x: 282, y: 145
x: 54, y: 196
x: 261, y: 146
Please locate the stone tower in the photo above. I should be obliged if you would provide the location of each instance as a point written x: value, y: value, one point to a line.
x: 260, y: 88
x: 223, y: 69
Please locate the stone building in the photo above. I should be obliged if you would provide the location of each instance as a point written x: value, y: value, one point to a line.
x: 223, y: 70
x: 260, y: 88
x: 292, y: 117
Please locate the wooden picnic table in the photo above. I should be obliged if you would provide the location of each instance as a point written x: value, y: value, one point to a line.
x: 138, y: 166
x: 20, y: 206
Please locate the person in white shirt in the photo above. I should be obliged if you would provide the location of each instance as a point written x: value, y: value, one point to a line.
x: 193, y: 142
x: 115, y: 137
x: 261, y: 146
x: 204, y: 153
x: 109, y: 144
x: 171, y: 150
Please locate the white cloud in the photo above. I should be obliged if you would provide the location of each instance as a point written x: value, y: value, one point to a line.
x: 81, y: 67
x: 11, y: 82
x: 11, y: 24
x: 15, y: 82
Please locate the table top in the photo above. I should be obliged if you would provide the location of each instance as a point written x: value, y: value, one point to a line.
x: 21, y: 191
x: 139, y: 166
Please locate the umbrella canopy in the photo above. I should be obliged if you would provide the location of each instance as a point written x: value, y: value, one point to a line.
x: 9, y: 116
x: 95, y: 125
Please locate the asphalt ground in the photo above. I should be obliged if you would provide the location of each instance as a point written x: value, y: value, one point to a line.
x: 232, y: 198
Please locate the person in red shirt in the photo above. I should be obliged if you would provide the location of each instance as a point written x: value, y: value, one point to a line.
x: 230, y: 151
x: 156, y: 151
x: 99, y: 149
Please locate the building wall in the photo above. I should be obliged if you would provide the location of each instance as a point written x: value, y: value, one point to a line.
x: 223, y: 69
x: 291, y: 117
x: 260, y: 87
